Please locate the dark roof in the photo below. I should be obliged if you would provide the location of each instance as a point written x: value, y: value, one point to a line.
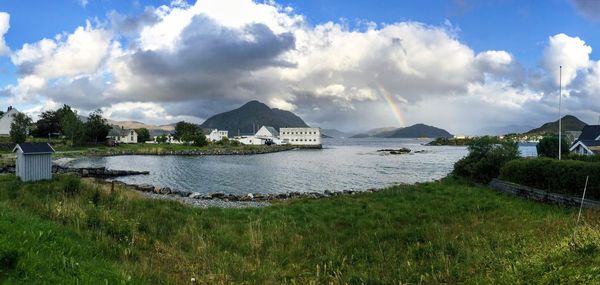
x: 589, y: 133
x: 590, y: 142
x: 34, y: 148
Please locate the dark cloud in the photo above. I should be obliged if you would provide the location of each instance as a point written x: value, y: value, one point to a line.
x: 131, y: 25
x: 588, y: 8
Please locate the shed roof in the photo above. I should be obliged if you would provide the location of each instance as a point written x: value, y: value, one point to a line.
x: 34, y: 148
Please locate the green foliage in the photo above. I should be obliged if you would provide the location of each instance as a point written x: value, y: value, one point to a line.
x: 161, y: 139
x: 70, y: 184
x: 143, y: 134
x: 433, y: 233
x: 548, y: 147
x: 581, y: 157
x: 189, y: 133
x: 71, y: 126
x: 559, y: 176
x: 96, y: 127
x: 19, y: 128
x: 486, y: 156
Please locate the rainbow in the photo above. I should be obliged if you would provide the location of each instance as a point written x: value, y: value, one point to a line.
x: 394, y: 106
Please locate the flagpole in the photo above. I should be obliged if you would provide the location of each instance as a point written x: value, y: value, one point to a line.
x: 559, y: 113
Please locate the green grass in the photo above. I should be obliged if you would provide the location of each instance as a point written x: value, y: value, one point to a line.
x: 442, y: 232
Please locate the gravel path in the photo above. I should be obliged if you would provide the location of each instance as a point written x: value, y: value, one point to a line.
x: 201, y: 203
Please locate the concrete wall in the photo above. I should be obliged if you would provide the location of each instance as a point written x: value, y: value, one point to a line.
x: 541, y: 195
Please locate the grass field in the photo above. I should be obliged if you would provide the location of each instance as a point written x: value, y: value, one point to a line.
x: 442, y: 232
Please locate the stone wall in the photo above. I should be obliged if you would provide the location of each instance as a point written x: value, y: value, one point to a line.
x: 541, y: 195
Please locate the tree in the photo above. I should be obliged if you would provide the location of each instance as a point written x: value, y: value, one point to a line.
x: 72, y: 127
x: 199, y: 139
x: 143, y: 134
x: 188, y: 132
x: 486, y: 156
x: 19, y: 128
x: 96, y: 127
x: 161, y: 139
x: 47, y: 125
x: 548, y: 147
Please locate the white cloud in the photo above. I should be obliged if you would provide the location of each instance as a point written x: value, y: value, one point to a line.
x: 571, y: 53
x: 186, y: 61
x: 4, y: 26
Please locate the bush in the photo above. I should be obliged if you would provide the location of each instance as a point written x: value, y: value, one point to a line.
x: 486, y: 156
x: 70, y: 184
x: 558, y: 176
x: 548, y: 147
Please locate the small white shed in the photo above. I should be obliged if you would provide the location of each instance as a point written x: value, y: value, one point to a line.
x: 34, y: 161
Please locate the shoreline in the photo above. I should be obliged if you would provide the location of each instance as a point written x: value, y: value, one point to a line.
x: 223, y: 200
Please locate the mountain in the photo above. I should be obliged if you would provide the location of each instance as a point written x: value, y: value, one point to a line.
x: 374, y: 132
x: 137, y: 125
x: 569, y: 123
x: 333, y: 133
x: 250, y: 117
x: 414, y: 131
x: 503, y: 130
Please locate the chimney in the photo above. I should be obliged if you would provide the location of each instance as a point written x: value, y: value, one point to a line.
x: 9, y: 108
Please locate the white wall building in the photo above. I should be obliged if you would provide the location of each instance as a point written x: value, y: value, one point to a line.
x: 301, y: 136
x: 34, y: 161
x: 217, y: 135
x: 6, y: 120
x: 266, y: 132
x: 121, y: 135
x: 252, y: 140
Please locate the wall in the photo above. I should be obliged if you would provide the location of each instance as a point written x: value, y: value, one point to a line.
x: 541, y: 195
x: 5, y: 122
x: 33, y: 167
x: 301, y: 136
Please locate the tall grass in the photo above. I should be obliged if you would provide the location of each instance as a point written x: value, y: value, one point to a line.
x: 443, y: 232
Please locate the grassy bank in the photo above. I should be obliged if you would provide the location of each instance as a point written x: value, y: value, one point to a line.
x: 443, y: 232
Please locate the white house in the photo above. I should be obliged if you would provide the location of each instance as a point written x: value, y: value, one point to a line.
x: 301, y: 136
x: 122, y: 135
x: 217, y: 135
x: 34, y: 161
x: 170, y: 139
x: 251, y: 140
x: 266, y: 132
x: 588, y: 142
x: 6, y: 120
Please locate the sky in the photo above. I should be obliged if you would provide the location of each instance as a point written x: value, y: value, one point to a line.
x: 462, y: 65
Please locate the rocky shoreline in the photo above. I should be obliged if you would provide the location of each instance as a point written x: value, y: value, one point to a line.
x: 96, y: 172
x: 252, y: 151
x: 220, y: 199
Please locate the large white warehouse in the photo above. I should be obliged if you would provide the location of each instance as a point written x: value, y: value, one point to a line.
x: 300, y: 136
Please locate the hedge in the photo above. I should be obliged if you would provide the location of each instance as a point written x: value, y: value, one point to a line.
x: 564, y: 177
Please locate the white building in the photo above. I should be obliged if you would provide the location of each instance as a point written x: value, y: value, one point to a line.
x: 588, y: 142
x: 170, y: 139
x: 301, y: 136
x: 217, y: 135
x: 6, y: 120
x: 122, y: 135
x: 266, y: 132
x: 251, y: 140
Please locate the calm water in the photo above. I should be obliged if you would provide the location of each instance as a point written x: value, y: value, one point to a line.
x: 343, y: 164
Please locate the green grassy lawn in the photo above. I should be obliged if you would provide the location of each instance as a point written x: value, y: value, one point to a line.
x: 442, y: 232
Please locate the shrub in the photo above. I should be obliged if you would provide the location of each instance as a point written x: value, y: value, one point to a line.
x: 486, y: 156
x: 8, y: 259
x: 559, y: 176
x: 70, y: 184
x: 548, y: 147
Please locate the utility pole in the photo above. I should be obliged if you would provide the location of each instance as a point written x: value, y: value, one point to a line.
x: 559, y: 113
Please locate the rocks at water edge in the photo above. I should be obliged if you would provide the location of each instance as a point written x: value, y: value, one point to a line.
x: 396, y: 151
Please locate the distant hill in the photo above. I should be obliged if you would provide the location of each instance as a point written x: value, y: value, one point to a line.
x: 374, y: 132
x: 503, y: 130
x: 333, y: 133
x: 250, y: 117
x: 414, y: 131
x: 569, y: 123
x: 138, y: 125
